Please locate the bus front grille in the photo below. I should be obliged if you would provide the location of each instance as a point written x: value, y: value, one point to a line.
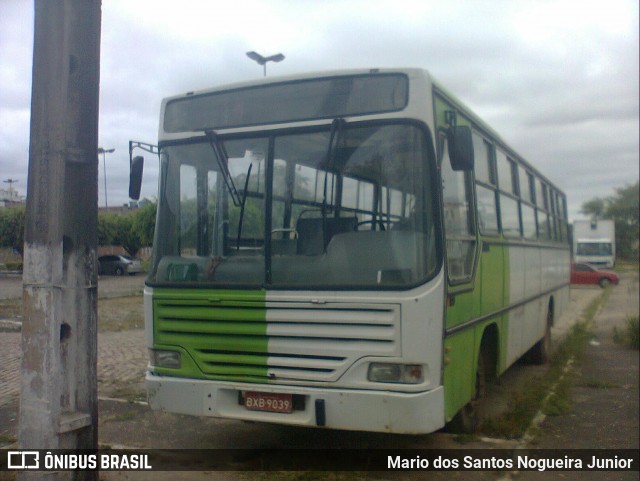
x: 290, y: 342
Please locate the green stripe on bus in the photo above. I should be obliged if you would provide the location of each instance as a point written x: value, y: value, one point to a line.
x: 489, y: 293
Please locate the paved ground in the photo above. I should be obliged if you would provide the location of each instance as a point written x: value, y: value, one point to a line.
x: 605, y: 398
x: 604, y: 413
x: 108, y: 286
x: 122, y: 355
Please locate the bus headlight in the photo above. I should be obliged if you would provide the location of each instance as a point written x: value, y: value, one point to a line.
x: 398, y: 373
x: 170, y: 359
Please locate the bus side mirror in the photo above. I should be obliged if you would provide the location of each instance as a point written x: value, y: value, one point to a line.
x: 460, y: 148
x: 135, y: 177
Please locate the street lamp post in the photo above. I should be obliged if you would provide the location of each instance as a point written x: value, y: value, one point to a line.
x: 10, y: 182
x: 104, y: 153
x: 263, y: 60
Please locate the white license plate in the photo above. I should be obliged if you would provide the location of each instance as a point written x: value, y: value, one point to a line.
x: 268, y: 401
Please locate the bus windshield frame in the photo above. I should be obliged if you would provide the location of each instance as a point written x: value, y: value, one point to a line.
x: 348, y: 208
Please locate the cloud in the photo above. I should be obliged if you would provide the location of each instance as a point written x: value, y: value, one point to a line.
x: 558, y: 79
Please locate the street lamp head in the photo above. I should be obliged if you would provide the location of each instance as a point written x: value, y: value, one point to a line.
x: 257, y: 57
x: 275, y: 58
x: 263, y: 60
x: 105, y: 151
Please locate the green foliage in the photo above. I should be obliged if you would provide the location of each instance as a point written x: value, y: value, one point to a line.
x: 107, y: 228
x: 630, y: 337
x: 624, y: 209
x: 144, y: 222
x: 131, y: 231
x: 595, y: 208
x: 633, y: 332
x: 12, y: 227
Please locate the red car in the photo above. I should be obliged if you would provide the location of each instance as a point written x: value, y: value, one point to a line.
x: 583, y: 273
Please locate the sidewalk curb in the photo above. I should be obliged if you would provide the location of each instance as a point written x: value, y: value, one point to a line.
x: 10, y: 325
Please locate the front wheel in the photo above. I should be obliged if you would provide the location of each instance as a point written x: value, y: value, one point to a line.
x: 469, y: 419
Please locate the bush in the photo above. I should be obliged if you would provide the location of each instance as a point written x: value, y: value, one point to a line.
x: 632, y: 332
x: 629, y: 336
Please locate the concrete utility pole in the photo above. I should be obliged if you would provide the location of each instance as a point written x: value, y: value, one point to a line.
x: 59, y: 402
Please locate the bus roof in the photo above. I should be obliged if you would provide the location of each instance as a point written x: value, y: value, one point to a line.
x: 411, y: 72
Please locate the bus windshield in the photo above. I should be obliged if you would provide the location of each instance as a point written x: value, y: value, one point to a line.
x: 594, y: 249
x: 311, y: 211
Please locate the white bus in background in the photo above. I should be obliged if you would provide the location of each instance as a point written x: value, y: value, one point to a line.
x: 594, y: 241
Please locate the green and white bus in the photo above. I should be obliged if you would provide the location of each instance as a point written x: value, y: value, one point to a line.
x: 352, y: 250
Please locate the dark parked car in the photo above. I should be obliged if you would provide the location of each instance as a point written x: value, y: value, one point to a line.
x: 118, y: 265
x: 583, y: 273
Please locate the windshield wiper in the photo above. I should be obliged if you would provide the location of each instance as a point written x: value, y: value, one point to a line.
x: 336, y: 128
x: 223, y: 163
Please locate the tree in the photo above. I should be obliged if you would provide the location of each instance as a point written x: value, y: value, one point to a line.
x: 107, y: 228
x: 131, y: 231
x: 12, y: 228
x: 595, y: 208
x: 128, y: 237
x: 624, y: 209
x: 144, y: 222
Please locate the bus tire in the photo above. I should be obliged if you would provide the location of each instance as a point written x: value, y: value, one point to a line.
x: 469, y: 419
x: 539, y: 353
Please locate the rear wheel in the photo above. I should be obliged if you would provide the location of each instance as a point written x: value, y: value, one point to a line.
x: 604, y: 282
x: 119, y: 271
x: 539, y: 353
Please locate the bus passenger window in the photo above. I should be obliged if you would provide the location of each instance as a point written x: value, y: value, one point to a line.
x: 487, y: 212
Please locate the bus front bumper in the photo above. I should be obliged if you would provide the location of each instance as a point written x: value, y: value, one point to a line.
x: 350, y: 409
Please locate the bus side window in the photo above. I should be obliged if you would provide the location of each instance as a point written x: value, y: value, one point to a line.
x: 458, y: 219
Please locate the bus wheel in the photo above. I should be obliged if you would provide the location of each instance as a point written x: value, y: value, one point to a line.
x: 539, y: 353
x: 470, y: 417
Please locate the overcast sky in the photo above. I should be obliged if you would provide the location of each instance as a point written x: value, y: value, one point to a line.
x: 557, y: 79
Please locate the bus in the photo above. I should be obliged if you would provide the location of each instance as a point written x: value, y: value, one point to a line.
x: 594, y: 242
x: 351, y: 250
